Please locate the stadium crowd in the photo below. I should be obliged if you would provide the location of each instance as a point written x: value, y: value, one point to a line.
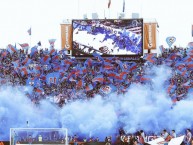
x: 138, y: 138
x: 53, y: 73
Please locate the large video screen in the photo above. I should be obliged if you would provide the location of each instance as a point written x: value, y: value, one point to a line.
x: 108, y: 37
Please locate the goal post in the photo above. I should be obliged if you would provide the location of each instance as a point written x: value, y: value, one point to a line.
x: 38, y: 136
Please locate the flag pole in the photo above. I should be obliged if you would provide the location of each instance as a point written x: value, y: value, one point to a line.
x: 191, y: 32
x: 109, y: 12
x: 30, y: 40
x: 29, y: 45
x: 29, y: 33
x: 109, y: 5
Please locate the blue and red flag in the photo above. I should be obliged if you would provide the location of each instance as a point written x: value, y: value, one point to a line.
x: 121, y: 76
x: 151, y: 57
x: 68, y: 62
x: 72, y: 73
x: 88, y: 62
x: 4, y: 53
x: 98, y: 56
x: 111, y: 74
x: 187, y: 85
x: 80, y: 84
x: 171, y: 88
x: 98, y: 78
x: 189, y: 65
x: 39, y: 91
x: 34, y: 50
x: 16, y: 64
x: 180, y: 66
x: 24, y: 71
x: 145, y: 79
x: 24, y: 45
x: 11, y: 49
x: 174, y: 99
x: 42, y: 78
x: 173, y: 56
x: 188, y: 59
x: 57, y: 67
x: 45, y: 60
x: 133, y: 67
x: 89, y: 87
x: 108, y: 66
x: 55, y: 58
x: 26, y: 61
x: 53, y: 51
x: 37, y: 67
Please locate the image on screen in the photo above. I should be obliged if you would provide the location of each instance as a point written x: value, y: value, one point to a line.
x: 108, y: 37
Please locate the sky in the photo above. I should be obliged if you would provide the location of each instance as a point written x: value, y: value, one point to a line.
x: 174, y: 17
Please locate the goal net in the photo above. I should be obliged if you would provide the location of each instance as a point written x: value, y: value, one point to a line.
x: 38, y: 136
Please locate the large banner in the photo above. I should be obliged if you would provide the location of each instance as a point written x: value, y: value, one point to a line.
x: 150, y: 35
x: 66, y: 36
x: 108, y: 37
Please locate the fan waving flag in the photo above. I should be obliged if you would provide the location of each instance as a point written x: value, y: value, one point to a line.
x: 52, y: 41
x: 24, y: 45
x: 33, y: 50
x: 29, y: 31
x: 45, y: 60
x: 11, y: 49
x: 109, y: 4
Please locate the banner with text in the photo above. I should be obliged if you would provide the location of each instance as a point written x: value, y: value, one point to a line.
x: 66, y: 36
x: 150, y: 35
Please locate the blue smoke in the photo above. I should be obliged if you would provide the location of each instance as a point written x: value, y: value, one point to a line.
x: 146, y: 107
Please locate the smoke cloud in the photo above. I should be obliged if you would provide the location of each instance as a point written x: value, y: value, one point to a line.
x: 146, y: 107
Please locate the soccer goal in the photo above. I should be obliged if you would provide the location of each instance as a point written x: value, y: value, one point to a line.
x: 38, y: 136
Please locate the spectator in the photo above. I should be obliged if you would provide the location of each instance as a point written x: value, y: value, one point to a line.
x: 141, y: 137
x: 30, y: 140
x: 173, y: 134
x: 188, y: 137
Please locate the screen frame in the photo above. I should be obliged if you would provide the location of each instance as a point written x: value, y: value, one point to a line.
x: 125, y: 56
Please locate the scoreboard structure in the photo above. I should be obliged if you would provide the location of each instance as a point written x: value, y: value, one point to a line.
x: 107, y: 37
